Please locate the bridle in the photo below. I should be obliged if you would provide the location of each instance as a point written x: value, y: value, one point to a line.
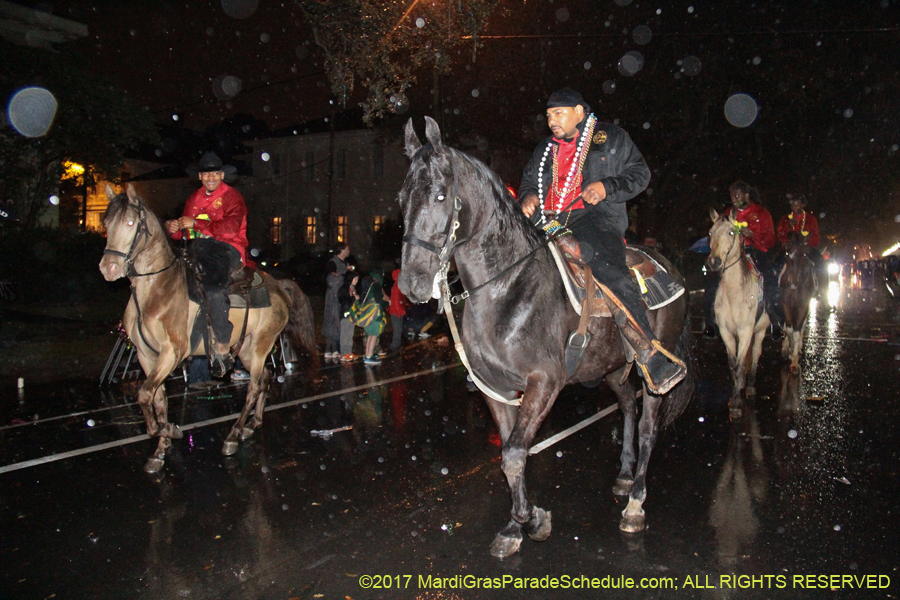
x: 142, y: 231
x: 734, y: 239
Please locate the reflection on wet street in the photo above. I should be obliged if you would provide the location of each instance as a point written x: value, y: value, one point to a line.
x: 367, y: 475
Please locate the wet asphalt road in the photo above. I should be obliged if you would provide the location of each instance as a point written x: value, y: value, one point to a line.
x: 804, y: 485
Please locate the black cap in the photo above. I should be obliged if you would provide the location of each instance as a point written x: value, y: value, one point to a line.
x: 211, y: 163
x: 567, y: 97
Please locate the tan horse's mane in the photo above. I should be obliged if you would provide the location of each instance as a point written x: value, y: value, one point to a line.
x: 119, y: 206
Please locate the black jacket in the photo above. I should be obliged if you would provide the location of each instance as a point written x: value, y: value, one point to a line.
x: 612, y: 159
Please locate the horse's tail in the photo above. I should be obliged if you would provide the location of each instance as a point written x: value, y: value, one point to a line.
x: 677, y: 400
x: 300, y: 328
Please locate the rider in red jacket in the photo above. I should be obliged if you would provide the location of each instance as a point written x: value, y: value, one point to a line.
x: 799, y: 220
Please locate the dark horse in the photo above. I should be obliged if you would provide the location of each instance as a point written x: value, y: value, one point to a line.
x: 159, y: 318
x: 516, y: 323
x: 798, y: 286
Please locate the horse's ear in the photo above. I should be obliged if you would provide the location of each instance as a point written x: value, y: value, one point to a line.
x: 132, y: 194
x: 412, y: 140
x: 110, y: 193
x: 433, y: 134
x: 713, y: 215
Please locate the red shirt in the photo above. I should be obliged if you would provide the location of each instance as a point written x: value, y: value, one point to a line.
x: 565, y: 154
x: 398, y: 300
x: 759, y: 221
x: 221, y: 215
x: 805, y: 224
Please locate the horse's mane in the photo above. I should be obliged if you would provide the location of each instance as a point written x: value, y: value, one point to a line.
x: 472, y: 172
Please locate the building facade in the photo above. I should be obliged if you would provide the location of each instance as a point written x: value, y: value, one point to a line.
x: 311, y: 191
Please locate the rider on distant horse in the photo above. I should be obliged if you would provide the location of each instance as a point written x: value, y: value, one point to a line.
x: 804, y: 223
x: 599, y: 163
x: 758, y: 231
x: 215, y: 217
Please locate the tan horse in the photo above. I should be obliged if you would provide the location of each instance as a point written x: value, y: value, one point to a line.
x: 798, y: 286
x: 159, y: 319
x: 739, y: 307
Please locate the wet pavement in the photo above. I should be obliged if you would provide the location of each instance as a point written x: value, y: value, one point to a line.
x: 385, y: 482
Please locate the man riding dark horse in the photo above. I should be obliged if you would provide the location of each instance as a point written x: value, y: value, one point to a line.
x: 215, y: 218
x: 582, y: 176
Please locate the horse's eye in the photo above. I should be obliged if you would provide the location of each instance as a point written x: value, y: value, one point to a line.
x: 440, y: 198
x: 130, y: 223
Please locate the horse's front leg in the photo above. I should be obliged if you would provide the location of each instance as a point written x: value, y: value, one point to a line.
x: 755, y: 352
x: 628, y: 406
x: 535, y: 521
x: 736, y: 362
x: 633, y: 519
x: 154, y: 404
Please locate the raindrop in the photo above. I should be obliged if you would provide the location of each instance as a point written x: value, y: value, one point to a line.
x: 281, y: 379
x: 414, y: 457
x: 609, y: 86
x: 239, y: 9
x: 792, y: 433
x: 623, y: 2
x: 264, y: 38
x: 264, y: 469
x: 445, y: 471
x: 31, y: 111
x: 741, y: 110
x: 254, y: 252
x: 780, y: 530
x: 646, y: 125
x: 381, y: 459
x: 756, y: 60
x: 848, y: 113
x: 174, y: 117
x: 284, y: 507
x: 475, y: 93
x: 691, y: 65
x: 837, y: 527
x: 264, y: 156
x: 226, y: 86
x: 54, y: 200
x: 210, y: 31
x: 562, y: 14
x: 642, y: 35
x: 690, y: 9
x: 701, y: 419
x: 456, y: 111
x: 420, y: 22
x: 266, y: 109
x: 90, y: 422
x: 587, y: 66
x: 631, y: 63
x: 321, y: 467
x: 559, y: 454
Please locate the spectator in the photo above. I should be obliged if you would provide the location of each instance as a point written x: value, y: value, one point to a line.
x: 373, y: 291
x: 346, y: 296
x: 399, y: 303
x: 334, y: 277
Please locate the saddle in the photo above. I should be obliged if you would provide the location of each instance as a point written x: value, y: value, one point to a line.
x: 657, y: 286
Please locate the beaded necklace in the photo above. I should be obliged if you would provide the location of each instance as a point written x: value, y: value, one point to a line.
x: 803, y: 223
x: 574, y: 175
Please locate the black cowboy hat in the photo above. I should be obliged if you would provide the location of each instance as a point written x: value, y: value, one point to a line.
x: 210, y: 162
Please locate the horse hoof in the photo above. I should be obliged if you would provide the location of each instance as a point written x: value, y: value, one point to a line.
x: 504, y: 546
x: 154, y: 465
x: 632, y: 523
x: 229, y: 448
x: 540, y: 525
x: 622, y: 487
x: 246, y: 432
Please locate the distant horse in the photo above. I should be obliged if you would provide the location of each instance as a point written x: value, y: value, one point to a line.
x: 798, y: 286
x: 159, y: 319
x: 517, y: 320
x: 739, y: 306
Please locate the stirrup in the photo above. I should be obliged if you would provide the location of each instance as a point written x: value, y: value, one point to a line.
x: 661, y: 387
x: 220, y: 364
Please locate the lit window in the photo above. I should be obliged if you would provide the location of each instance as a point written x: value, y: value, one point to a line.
x: 311, y: 231
x: 276, y: 230
x: 379, y: 222
x: 342, y: 229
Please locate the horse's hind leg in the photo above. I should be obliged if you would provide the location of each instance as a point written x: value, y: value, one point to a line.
x: 230, y: 445
x: 633, y: 516
x: 628, y: 405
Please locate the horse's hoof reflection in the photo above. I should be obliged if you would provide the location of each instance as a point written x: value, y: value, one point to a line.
x: 229, y: 448
x: 154, y: 465
x: 735, y: 413
x: 622, y: 487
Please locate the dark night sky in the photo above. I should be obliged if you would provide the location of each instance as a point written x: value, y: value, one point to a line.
x: 825, y: 75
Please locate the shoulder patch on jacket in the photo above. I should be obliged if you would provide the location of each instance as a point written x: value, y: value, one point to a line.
x: 600, y: 137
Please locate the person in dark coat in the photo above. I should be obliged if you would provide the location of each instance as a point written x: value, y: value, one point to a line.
x: 591, y: 169
x: 331, y: 323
